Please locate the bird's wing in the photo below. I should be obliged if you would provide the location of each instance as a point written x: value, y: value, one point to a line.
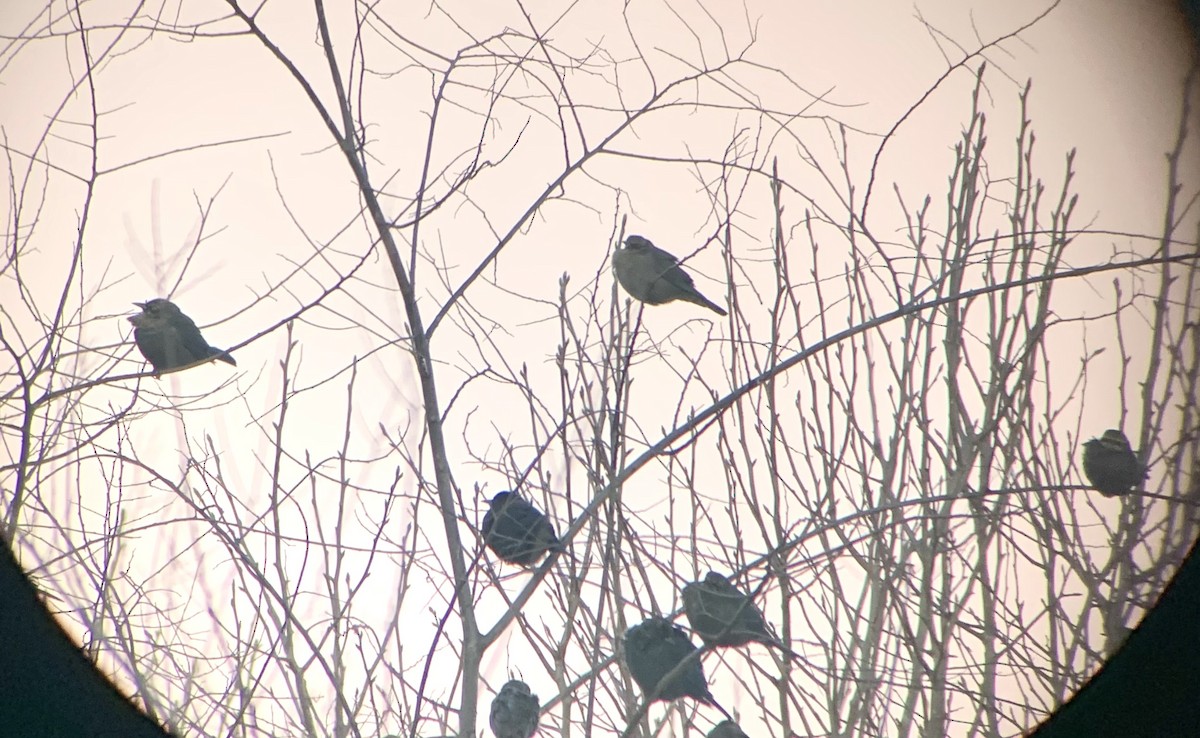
x: 193, y: 343
x: 662, y: 259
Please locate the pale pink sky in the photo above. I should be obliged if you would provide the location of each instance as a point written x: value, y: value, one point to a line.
x: 1107, y: 79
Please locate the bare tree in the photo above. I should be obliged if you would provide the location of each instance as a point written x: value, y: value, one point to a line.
x: 402, y: 225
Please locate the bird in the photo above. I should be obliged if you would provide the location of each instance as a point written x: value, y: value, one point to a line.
x: 727, y: 729
x: 514, y: 711
x: 1110, y: 464
x: 654, y: 276
x: 722, y: 615
x: 169, y: 339
x: 516, y: 531
x: 653, y: 649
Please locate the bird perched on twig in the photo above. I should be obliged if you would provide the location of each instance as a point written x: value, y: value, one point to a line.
x: 653, y: 649
x: 516, y: 531
x: 169, y: 339
x: 722, y: 615
x: 514, y: 711
x: 654, y: 276
x: 1110, y: 464
x: 727, y: 729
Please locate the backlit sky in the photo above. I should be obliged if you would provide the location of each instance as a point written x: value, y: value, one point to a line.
x: 212, y: 129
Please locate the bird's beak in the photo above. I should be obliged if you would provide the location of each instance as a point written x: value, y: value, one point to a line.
x: 142, y: 305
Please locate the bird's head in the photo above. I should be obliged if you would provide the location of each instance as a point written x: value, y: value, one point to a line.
x: 154, y: 311
x: 656, y: 629
x: 716, y: 580
x: 1113, y: 439
x: 516, y: 686
x: 637, y: 243
x: 501, y: 499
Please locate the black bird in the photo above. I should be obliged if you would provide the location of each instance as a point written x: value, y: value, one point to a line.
x: 653, y: 649
x: 516, y: 531
x: 514, y: 711
x: 727, y: 729
x: 1110, y: 464
x: 169, y: 339
x: 722, y: 615
x: 654, y: 276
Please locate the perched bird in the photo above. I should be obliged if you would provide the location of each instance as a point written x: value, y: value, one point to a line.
x: 517, y: 531
x: 169, y: 339
x: 722, y: 615
x: 727, y: 729
x: 653, y: 276
x: 653, y: 649
x: 1110, y: 464
x: 514, y: 711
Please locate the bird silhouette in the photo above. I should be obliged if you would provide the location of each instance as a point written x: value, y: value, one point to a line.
x: 516, y: 531
x: 1110, y: 464
x: 514, y: 711
x: 169, y: 339
x: 653, y: 649
x: 722, y: 615
x: 654, y: 276
x: 727, y: 729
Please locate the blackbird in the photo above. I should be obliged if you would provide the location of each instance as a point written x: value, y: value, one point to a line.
x: 653, y: 649
x: 1110, y: 464
x: 722, y: 615
x: 516, y: 531
x: 653, y: 276
x: 514, y: 711
x: 169, y: 339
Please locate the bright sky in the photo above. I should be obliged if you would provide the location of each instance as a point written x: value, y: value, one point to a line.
x: 209, y: 138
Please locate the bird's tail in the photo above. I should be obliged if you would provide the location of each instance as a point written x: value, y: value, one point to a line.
x: 224, y: 356
x: 699, y: 299
x: 709, y: 699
